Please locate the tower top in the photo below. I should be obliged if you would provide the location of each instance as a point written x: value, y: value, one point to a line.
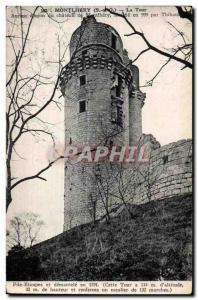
x: 92, y: 33
x: 90, y: 18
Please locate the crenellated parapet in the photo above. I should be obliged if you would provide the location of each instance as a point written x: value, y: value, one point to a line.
x: 80, y: 64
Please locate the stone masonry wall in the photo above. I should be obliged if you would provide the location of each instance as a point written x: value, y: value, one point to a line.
x: 168, y: 173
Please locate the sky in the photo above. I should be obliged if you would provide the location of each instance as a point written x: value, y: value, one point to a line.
x: 166, y: 113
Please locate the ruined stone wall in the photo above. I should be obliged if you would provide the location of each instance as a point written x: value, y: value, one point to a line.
x: 168, y: 173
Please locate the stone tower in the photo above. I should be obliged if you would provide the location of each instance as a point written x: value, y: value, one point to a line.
x: 102, y: 96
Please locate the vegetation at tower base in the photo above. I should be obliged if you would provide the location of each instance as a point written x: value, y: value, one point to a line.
x: 154, y: 245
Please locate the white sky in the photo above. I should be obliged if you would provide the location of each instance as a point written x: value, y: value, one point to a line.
x: 166, y: 113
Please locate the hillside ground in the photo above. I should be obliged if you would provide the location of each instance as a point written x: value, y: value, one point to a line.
x: 156, y: 244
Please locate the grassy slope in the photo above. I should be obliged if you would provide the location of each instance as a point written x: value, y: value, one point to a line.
x: 155, y: 245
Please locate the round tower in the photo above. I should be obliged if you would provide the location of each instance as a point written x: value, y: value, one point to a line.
x: 136, y: 102
x: 96, y: 84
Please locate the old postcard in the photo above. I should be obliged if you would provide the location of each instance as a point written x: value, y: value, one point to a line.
x: 99, y: 150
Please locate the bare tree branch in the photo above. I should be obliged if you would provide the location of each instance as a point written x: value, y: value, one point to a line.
x: 24, y: 106
x: 142, y: 52
x: 23, y: 47
x: 185, y: 14
x: 149, y: 45
x: 37, y: 175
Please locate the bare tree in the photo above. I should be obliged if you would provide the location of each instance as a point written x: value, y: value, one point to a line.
x: 24, y: 108
x: 24, y: 230
x: 147, y: 174
x: 15, y: 236
x: 125, y: 186
x: 182, y: 53
x: 104, y: 179
x: 32, y: 225
x: 93, y: 207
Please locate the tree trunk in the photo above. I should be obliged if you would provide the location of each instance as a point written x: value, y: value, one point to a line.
x: 9, y: 178
x: 8, y: 197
